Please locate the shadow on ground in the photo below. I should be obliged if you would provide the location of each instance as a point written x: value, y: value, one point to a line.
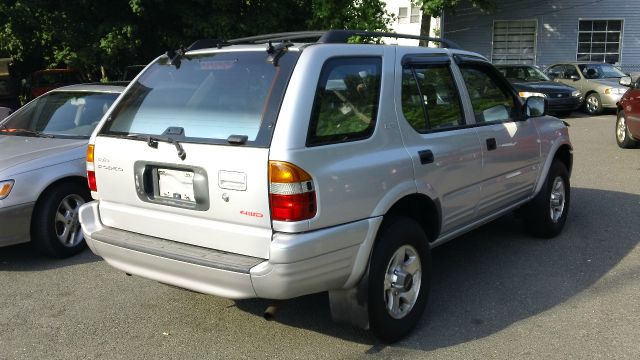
x: 496, y: 275
x: 24, y: 257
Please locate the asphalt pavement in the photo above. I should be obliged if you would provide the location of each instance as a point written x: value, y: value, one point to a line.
x: 496, y: 293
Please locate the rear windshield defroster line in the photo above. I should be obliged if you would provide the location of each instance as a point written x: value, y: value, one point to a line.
x: 211, y: 96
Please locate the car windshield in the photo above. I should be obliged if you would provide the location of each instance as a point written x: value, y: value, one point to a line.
x: 600, y: 71
x: 71, y: 114
x: 210, y: 96
x: 522, y: 74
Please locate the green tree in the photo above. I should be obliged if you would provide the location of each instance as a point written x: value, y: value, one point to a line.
x: 100, y: 38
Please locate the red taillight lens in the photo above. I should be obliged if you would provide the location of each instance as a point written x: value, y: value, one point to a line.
x: 291, y: 192
x: 91, y: 178
x: 91, y: 174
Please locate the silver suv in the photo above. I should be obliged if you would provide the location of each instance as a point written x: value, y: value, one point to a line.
x: 259, y: 167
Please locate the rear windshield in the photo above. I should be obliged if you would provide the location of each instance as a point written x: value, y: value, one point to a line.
x: 211, y: 97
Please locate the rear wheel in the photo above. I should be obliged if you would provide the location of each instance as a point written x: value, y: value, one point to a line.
x: 623, y: 138
x: 55, y: 227
x: 593, y: 105
x: 399, y: 276
x: 546, y: 214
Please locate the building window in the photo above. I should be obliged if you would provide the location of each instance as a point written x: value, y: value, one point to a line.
x: 415, y: 14
x: 514, y: 42
x: 599, y: 40
x: 403, y: 15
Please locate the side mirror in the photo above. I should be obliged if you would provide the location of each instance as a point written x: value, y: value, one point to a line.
x: 574, y: 77
x: 536, y: 106
x: 625, y: 81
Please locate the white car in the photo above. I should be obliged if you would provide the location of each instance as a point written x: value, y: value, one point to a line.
x: 42, y: 167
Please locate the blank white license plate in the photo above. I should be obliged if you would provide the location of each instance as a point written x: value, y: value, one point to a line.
x: 176, y: 184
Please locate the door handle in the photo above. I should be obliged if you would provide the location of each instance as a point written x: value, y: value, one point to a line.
x: 491, y: 144
x: 426, y: 156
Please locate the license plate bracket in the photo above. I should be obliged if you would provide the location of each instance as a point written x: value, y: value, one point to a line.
x: 175, y: 184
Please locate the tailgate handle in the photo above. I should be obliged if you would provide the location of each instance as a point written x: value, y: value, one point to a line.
x: 232, y: 180
x: 426, y: 157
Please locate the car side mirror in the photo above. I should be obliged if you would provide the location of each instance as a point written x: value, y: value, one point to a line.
x: 625, y: 81
x: 574, y: 77
x: 536, y: 106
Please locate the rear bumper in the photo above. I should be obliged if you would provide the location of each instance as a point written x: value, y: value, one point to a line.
x: 15, y: 224
x: 298, y: 264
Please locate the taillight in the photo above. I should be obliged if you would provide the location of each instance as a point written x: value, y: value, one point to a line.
x: 91, y: 174
x: 291, y: 192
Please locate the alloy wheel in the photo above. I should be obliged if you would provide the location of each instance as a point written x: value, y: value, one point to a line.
x: 67, y: 222
x: 402, y: 281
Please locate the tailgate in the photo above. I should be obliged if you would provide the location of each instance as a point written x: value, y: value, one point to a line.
x: 217, y: 197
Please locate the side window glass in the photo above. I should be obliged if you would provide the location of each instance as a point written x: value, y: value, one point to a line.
x: 433, y: 104
x: 570, y: 71
x: 556, y: 72
x: 490, y: 101
x: 346, y: 101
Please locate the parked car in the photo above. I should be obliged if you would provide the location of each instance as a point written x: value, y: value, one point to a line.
x: 628, y: 119
x: 42, y: 167
x: 599, y: 82
x: 257, y: 167
x: 42, y: 81
x: 8, y: 93
x: 529, y: 81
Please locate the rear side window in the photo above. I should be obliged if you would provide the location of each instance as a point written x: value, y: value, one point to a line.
x: 346, y: 101
x: 491, y: 98
x: 430, y: 99
x: 209, y: 96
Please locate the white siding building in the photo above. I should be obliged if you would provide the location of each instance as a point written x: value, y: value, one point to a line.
x: 407, y: 20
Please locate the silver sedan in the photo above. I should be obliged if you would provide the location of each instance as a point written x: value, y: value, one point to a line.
x: 43, y: 167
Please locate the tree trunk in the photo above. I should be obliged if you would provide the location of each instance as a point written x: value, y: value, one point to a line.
x: 425, y: 27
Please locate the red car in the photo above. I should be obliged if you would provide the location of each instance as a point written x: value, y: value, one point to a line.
x: 49, y: 79
x: 628, y: 122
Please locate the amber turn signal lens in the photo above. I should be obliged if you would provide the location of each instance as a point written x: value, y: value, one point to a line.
x: 90, y: 153
x: 286, y: 173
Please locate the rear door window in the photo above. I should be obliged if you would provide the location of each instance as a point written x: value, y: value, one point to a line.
x: 430, y: 99
x: 346, y: 101
x: 211, y: 97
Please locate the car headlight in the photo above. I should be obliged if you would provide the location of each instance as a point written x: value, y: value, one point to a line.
x: 576, y: 93
x: 615, y: 91
x: 526, y: 94
x: 5, y: 188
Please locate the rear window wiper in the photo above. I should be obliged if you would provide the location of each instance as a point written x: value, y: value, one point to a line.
x: 153, y: 143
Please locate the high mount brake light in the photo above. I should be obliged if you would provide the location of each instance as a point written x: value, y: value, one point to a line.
x: 292, y: 195
x: 91, y: 174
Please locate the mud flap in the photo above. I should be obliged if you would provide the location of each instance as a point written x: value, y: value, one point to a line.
x: 349, y: 306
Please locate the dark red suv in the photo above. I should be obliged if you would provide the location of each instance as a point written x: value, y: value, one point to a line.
x: 628, y: 122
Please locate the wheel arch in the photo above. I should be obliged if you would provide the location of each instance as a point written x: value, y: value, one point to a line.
x: 79, y: 180
x: 421, y: 208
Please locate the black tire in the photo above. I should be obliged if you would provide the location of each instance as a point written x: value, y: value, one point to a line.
x: 51, y: 217
x: 539, y: 218
x: 623, y: 138
x: 593, y: 104
x: 397, y: 233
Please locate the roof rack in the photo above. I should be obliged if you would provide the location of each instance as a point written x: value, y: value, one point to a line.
x: 328, y: 37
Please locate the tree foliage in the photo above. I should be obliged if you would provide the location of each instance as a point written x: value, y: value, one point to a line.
x: 100, y: 38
